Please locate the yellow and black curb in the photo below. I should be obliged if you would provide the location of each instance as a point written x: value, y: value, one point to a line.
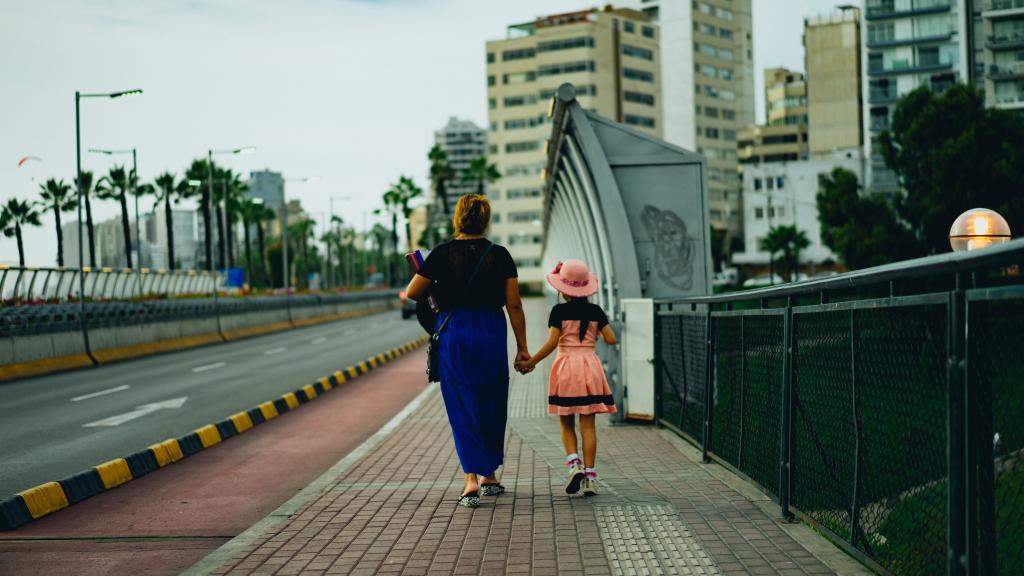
x: 47, y: 498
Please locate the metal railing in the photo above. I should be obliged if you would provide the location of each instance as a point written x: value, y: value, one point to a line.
x: 22, y: 286
x: 883, y: 406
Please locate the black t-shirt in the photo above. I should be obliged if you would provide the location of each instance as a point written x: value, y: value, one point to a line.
x: 451, y: 264
x: 578, y: 309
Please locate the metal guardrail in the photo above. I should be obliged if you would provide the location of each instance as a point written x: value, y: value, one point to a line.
x: 57, y: 285
x: 884, y: 406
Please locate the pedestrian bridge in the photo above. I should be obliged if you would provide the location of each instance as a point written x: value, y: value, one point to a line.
x: 883, y: 406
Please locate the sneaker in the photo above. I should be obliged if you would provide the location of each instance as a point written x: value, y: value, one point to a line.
x: 590, y: 487
x: 576, y: 477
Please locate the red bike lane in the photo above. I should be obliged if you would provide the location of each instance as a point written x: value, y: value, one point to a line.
x: 166, y: 521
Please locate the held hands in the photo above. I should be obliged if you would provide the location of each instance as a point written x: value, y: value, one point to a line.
x: 523, y: 364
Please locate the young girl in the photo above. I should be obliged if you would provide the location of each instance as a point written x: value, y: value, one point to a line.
x: 577, y: 384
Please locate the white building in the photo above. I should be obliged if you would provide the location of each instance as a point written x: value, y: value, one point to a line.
x: 154, y: 246
x: 783, y: 194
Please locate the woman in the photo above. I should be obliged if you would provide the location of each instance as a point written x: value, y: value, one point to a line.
x: 473, y: 349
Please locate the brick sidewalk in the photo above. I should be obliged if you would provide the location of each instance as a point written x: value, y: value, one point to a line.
x: 659, y: 512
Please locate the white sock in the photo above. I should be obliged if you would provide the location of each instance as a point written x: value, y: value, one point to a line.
x: 574, y: 457
x: 591, y: 473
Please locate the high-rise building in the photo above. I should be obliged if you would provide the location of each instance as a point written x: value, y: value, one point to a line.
x: 999, y: 52
x: 906, y: 44
x: 832, y: 58
x: 463, y: 141
x: 610, y: 55
x: 707, y: 66
x: 784, y: 138
x: 155, y: 239
x: 267, y: 186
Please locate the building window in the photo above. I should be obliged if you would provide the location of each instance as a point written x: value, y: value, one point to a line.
x: 725, y: 33
x: 636, y: 120
x: 492, y: 103
x: 520, y: 54
x: 708, y: 70
x: 490, y: 57
x: 492, y: 149
x: 770, y: 182
x: 641, y: 75
x: 780, y: 182
x: 516, y: 193
x: 757, y: 183
x: 639, y: 98
x: 726, y: 54
x: 728, y: 114
x: 704, y: 28
x: 566, y: 68
x: 490, y: 80
x: 648, y: 31
x: 520, y: 123
x: 581, y: 90
x: 628, y: 26
x: 496, y: 218
x: 637, y: 52
x: 729, y: 135
x: 566, y: 44
x: 518, y: 77
x: 524, y: 169
x: 521, y: 239
x: 759, y: 213
x: 531, y: 216
x: 524, y: 100
x: 494, y: 126
x: 705, y: 49
x: 527, y: 262
x: 529, y: 146
x: 725, y: 73
x: 711, y: 133
x: 711, y: 112
x: 727, y: 95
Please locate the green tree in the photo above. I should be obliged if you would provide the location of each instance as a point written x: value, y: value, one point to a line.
x: 862, y: 230
x: 115, y: 186
x: 169, y: 190
x: 299, y: 234
x: 87, y: 181
x: 717, y: 247
x: 14, y: 217
x: 481, y: 173
x: 57, y: 196
x: 789, y: 241
x: 139, y: 191
x: 198, y: 172
x: 261, y: 216
x: 252, y: 213
x: 441, y: 172
x: 951, y: 153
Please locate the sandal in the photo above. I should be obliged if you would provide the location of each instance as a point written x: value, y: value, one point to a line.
x: 491, y: 489
x: 470, y: 500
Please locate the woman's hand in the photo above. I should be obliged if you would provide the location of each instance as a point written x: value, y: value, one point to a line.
x: 523, y: 365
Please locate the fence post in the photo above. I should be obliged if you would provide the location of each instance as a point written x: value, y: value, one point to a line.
x: 786, y: 426
x: 709, y: 375
x: 658, y: 366
x: 855, y: 500
x: 956, y: 451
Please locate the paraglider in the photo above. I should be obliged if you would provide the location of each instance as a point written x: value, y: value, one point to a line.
x: 27, y: 158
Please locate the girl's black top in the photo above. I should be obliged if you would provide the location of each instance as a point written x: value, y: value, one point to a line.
x: 449, y: 266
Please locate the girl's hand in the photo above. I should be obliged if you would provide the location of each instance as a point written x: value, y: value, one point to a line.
x: 523, y: 362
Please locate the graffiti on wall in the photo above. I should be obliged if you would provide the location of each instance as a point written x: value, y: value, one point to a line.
x: 674, y: 248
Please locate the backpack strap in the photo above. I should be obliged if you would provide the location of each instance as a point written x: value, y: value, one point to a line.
x: 469, y: 284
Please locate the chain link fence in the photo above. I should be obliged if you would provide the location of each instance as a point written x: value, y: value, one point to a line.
x: 894, y: 425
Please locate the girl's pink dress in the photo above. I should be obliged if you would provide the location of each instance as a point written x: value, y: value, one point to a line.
x: 577, y: 384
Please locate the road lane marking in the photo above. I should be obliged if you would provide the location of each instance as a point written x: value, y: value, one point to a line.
x: 320, y: 340
x: 138, y: 412
x: 273, y: 351
x: 101, y: 393
x: 213, y: 366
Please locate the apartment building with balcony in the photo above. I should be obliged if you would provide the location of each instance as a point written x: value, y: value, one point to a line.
x: 999, y: 52
x: 906, y: 44
x: 612, y: 57
x: 462, y: 141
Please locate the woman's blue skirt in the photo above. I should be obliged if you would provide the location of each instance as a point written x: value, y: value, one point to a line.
x: 473, y: 364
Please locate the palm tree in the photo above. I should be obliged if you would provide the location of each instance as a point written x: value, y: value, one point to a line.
x: 250, y: 211
x: 300, y: 232
x: 114, y: 186
x: 380, y: 237
x: 440, y: 172
x: 57, y: 196
x: 789, y: 241
x: 482, y: 173
x: 15, y: 215
x: 199, y: 172
x: 87, y: 192
x: 167, y: 191
x: 260, y: 216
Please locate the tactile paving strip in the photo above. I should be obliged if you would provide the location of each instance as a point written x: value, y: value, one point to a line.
x: 650, y: 540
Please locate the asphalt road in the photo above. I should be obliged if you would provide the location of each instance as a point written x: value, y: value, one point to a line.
x: 55, y: 426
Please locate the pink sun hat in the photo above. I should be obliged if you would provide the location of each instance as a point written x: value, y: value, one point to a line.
x: 573, y: 278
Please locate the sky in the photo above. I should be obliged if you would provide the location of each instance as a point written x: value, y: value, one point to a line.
x: 350, y: 91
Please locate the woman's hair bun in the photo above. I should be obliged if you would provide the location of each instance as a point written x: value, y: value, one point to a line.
x: 472, y: 215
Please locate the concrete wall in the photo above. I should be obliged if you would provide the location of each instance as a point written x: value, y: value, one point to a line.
x: 28, y: 355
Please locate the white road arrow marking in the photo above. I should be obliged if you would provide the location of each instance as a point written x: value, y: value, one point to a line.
x: 213, y: 366
x: 138, y: 412
x: 100, y: 393
x: 273, y: 351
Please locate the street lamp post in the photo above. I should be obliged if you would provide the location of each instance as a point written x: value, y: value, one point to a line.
x: 78, y: 182
x: 134, y: 192
x: 212, y: 206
